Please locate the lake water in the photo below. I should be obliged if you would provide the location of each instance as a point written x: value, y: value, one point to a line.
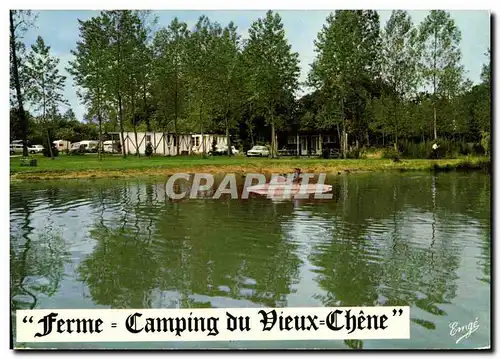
x: 409, y: 239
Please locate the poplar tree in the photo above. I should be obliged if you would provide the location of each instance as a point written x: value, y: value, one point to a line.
x: 274, y: 69
x: 45, y: 81
x: 90, y: 66
x: 119, y: 26
x: 440, y: 41
x: 200, y: 74
x: 400, y: 60
x: 169, y: 73
x: 348, y: 51
x: 228, y: 88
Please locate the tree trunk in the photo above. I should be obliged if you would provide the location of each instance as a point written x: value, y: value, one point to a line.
x: 176, y: 115
x: 48, y: 141
x: 339, y: 136
x: 165, y: 139
x: 344, y: 132
x: 298, y: 144
x: 134, y: 122
x: 250, y: 126
x: 346, y: 143
x: 252, y: 140
x: 396, y: 125
x: 120, y: 114
x: 434, y: 82
x: 137, y: 154
x: 273, y: 139
x: 146, y: 114
x: 435, y: 123
x: 44, y: 116
x: 228, y: 139
x: 15, y: 63
x: 99, y: 148
x: 202, y: 136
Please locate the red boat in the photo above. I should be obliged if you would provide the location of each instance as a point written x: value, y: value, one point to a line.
x: 280, y: 187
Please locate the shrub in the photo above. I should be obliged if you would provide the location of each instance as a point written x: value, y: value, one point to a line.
x: 363, y: 153
x: 390, y: 152
x: 423, y: 150
x: 485, y: 141
x: 352, y: 152
x: 149, y: 149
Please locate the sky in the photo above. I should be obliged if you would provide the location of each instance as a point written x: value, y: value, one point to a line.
x: 59, y: 29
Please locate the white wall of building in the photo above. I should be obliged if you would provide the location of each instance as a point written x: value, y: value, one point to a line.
x: 208, y: 139
x: 164, y: 144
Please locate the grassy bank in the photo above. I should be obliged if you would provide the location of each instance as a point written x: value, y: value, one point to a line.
x: 89, y: 166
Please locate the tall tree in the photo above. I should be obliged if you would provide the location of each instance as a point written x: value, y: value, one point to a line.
x: 400, y: 60
x: 483, y: 109
x: 136, y: 36
x: 46, y: 83
x: 274, y: 69
x: 348, y: 50
x: 169, y: 64
x: 229, y: 75
x: 89, y: 68
x: 201, y: 72
x: 145, y: 62
x: 20, y: 20
x: 120, y: 28
x: 440, y: 39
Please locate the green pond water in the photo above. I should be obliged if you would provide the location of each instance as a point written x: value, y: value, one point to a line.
x: 405, y: 239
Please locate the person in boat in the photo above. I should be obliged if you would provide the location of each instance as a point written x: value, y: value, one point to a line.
x: 295, y: 178
x: 296, y: 175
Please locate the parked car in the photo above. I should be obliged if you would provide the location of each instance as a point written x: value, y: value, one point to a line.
x: 222, y: 150
x: 35, y: 149
x: 258, y: 151
x: 16, y: 147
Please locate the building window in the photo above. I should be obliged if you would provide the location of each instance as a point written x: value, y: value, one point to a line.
x: 292, y: 140
x: 148, y: 138
x: 196, y: 141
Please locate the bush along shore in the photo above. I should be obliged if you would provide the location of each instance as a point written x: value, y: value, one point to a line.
x: 81, y: 167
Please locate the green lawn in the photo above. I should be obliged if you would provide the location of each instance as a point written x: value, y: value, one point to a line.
x: 90, y: 166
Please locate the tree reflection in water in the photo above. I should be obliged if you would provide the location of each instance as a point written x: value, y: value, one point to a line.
x: 199, y: 250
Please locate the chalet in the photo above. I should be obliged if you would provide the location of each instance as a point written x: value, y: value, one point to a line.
x: 305, y: 143
x: 165, y: 144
